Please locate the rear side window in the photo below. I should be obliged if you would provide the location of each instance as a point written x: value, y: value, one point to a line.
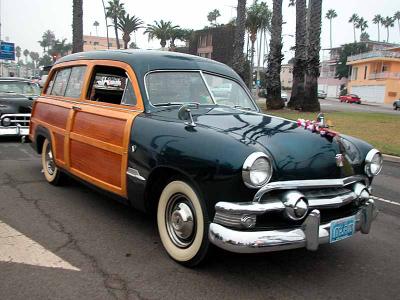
x: 60, y: 82
x: 75, y: 82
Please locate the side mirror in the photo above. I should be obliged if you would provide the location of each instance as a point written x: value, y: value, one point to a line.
x: 184, y: 113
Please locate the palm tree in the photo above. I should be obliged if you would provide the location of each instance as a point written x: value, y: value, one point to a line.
x: 311, y: 102
x: 378, y: 21
x: 397, y: 17
x: 212, y: 17
x: 176, y: 34
x: 254, y: 22
x: 77, y: 26
x: 161, y: 31
x: 60, y: 48
x: 127, y: 25
x: 364, y: 37
x: 34, y: 57
x: 331, y: 14
x: 26, y: 53
x: 106, y: 21
x: 48, y: 39
x: 274, y: 99
x: 362, y: 24
x: 18, y: 53
x: 388, y: 22
x: 300, y: 61
x: 115, y: 10
x: 238, y: 43
x: 96, y: 24
x: 354, y: 19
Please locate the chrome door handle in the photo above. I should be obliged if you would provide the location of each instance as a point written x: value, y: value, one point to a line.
x: 76, y: 107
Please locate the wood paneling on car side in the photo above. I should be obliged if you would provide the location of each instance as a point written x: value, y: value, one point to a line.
x: 90, y: 139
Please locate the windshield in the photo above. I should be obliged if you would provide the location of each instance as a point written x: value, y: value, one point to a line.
x: 188, y: 87
x: 19, y: 87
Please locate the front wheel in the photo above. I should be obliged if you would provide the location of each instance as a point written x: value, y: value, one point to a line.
x: 183, y: 223
x: 51, y: 172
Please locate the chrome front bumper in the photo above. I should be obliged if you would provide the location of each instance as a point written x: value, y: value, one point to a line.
x: 310, y: 235
x: 232, y: 221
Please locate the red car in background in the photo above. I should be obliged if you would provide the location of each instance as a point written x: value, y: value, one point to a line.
x: 350, y: 98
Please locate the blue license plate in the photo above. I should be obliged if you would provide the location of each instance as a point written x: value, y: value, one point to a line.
x: 342, y: 229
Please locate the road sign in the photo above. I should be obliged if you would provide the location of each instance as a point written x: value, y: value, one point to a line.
x: 7, y: 51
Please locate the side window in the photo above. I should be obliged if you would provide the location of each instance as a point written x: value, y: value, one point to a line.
x: 74, y: 87
x: 111, y: 85
x: 60, y: 82
x: 51, y: 83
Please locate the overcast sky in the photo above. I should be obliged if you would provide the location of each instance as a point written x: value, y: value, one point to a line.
x: 24, y: 21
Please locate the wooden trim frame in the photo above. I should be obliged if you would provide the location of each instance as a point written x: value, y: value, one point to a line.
x: 99, y: 131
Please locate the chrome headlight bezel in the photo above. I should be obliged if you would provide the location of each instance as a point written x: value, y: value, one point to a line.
x: 371, y: 159
x: 247, y: 169
x: 6, y: 122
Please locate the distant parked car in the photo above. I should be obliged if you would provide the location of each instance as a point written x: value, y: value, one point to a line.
x: 396, y: 104
x: 16, y: 100
x: 350, y: 98
x: 321, y: 94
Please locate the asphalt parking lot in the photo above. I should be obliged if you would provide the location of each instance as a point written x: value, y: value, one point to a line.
x: 71, y: 242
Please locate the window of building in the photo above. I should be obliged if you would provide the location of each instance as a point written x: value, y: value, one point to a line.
x: 354, y: 73
x: 111, y: 85
x: 365, y: 72
x: 110, y: 44
x: 96, y: 43
x: 75, y: 82
x: 385, y: 68
x: 60, y: 82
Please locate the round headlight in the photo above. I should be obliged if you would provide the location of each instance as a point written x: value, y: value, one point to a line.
x: 6, y: 122
x: 373, y: 162
x: 257, y: 170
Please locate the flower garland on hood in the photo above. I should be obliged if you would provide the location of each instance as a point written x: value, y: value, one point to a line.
x: 318, y: 126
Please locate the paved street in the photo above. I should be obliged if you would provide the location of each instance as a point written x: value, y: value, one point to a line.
x: 332, y: 104
x: 71, y: 242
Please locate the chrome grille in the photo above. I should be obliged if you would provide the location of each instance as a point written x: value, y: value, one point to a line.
x: 18, y: 119
x: 228, y: 219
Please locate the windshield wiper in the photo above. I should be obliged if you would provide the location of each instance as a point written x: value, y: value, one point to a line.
x: 242, y: 107
x: 176, y: 103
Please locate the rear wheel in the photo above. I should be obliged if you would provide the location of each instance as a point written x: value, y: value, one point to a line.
x: 183, y: 223
x: 51, y: 172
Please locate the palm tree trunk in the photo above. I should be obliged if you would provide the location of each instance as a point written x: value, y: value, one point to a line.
x: 77, y: 26
x: 297, y: 96
x: 387, y: 35
x: 354, y: 32
x: 330, y: 31
x: 105, y: 17
x: 274, y: 99
x: 253, y: 40
x: 379, y: 33
x: 238, y: 44
x: 116, y: 33
x: 258, y: 62
x: 311, y: 102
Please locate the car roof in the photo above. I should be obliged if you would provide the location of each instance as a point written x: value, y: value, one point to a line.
x: 143, y: 61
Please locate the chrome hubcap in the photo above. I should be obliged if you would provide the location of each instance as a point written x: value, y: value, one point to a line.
x: 180, y: 220
x: 49, y: 162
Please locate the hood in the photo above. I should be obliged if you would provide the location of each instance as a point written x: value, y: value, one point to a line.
x: 14, y: 103
x: 297, y: 154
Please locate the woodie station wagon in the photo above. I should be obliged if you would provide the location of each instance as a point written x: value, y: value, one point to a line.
x: 181, y: 137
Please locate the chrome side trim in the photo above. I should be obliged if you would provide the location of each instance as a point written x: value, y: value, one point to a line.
x: 308, y: 184
x: 135, y: 174
x: 310, y: 235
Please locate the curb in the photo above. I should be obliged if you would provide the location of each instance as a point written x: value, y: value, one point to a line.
x: 391, y: 158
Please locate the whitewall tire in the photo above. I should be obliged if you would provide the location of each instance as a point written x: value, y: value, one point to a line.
x: 183, y: 223
x: 51, y: 172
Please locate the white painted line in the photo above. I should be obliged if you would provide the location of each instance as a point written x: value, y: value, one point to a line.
x: 18, y: 248
x: 386, y: 201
